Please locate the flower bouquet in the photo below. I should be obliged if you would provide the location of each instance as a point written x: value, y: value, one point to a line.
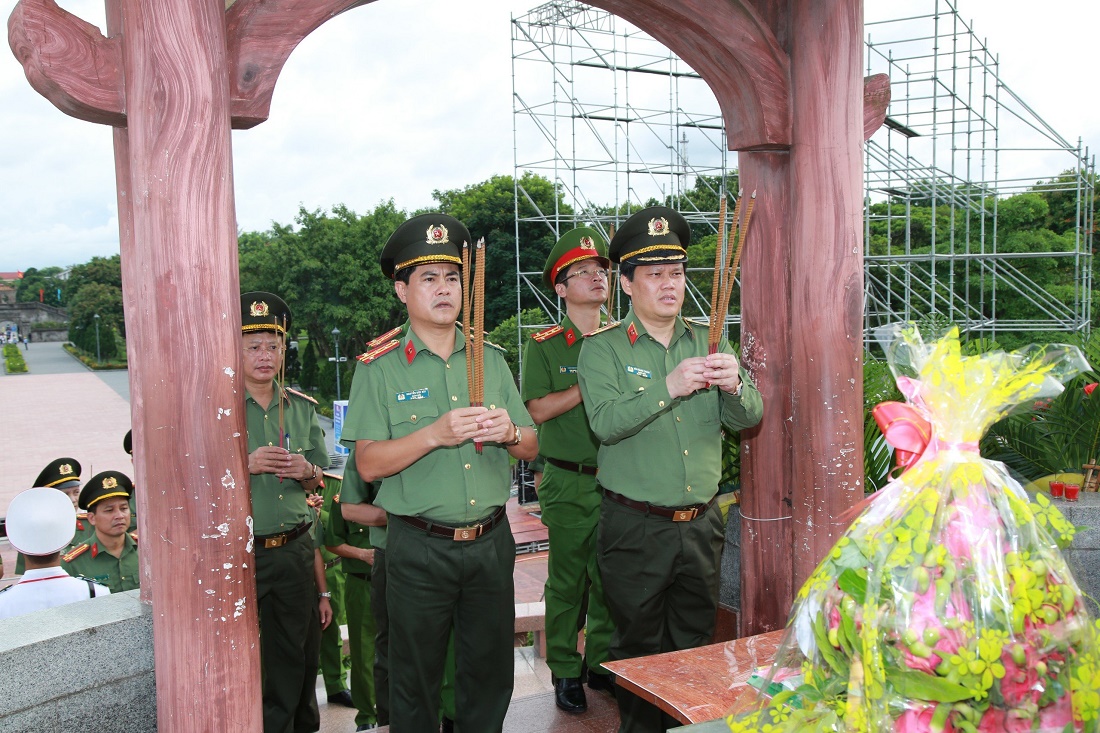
x: 947, y: 605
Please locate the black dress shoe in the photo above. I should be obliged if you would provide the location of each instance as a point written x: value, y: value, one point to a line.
x: 366, y: 726
x: 601, y: 682
x: 343, y: 697
x: 446, y: 725
x: 569, y: 695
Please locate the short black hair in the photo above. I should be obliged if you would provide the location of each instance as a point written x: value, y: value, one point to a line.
x: 562, y: 276
x: 404, y: 274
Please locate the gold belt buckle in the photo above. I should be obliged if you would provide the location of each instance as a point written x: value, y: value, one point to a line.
x: 465, y: 534
x: 275, y: 541
x: 684, y: 515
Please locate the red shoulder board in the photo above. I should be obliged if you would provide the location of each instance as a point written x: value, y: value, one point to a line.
x: 75, y: 552
x: 378, y: 351
x: 336, y: 499
x: 548, y: 333
x: 601, y: 329
x: 304, y: 396
x: 379, y: 340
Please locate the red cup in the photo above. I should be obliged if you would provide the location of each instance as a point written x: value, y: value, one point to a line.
x: 1056, y: 489
x: 1072, y: 490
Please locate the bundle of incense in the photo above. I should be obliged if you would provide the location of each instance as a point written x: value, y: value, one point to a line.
x: 741, y: 231
x: 467, y: 321
x: 478, y: 394
x: 715, y: 289
x: 611, y: 287
x: 282, y: 394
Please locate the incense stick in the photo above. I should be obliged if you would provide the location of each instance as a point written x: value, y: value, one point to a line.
x: 467, y: 298
x: 715, y: 290
x: 742, y: 232
x: 611, y: 287
x: 479, y: 327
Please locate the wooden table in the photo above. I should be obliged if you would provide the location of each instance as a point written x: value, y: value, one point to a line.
x: 696, y: 685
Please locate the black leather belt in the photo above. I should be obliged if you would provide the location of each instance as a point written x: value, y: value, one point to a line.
x: 680, y: 514
x: 361, y: 576
x: 458, y: 534
x: 280, y: 539
x: 572, y: 467
x: 332, y: 563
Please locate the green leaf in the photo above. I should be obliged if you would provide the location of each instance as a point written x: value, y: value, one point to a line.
x: 853, y: 583
x: 913, y: 684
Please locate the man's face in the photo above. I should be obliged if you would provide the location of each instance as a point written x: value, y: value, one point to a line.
x: 657, y: 291
x: 263, y: 353
x: 433, y: 294
x: 74, y: 495
x: 110, y: 517
x: 585, y: 283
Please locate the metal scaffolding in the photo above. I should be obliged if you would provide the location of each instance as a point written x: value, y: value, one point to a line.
x: 612, y: 117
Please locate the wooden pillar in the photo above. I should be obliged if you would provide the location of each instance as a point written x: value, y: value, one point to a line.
x: 181, y: 289
x: 826, y: 271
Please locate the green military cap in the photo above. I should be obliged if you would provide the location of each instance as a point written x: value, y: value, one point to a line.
x: 582, y: 243
x: 423, y: 240
x: 128, y: 442
x: 62, y: 473
x: 104, y: 485
x: 262, y: 311
x: 654, y: 236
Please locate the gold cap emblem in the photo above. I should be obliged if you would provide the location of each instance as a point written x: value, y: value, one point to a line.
x: 437, y: 234
x: 658, y: 226
x: 110, y: 482
x: 64, y: 469
x: 587, y: 243
x: 258, y: 309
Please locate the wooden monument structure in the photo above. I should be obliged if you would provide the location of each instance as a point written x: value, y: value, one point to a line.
x: 172, y: 77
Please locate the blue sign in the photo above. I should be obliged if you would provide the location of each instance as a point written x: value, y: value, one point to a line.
x: 339, y: 410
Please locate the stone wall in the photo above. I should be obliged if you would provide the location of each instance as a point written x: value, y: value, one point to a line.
x: 85, y: 666
x: 53, y: 334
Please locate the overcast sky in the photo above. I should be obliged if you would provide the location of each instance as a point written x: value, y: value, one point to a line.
x: 397, y: 98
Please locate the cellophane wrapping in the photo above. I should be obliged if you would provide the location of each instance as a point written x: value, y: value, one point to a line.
x: 947, y: 605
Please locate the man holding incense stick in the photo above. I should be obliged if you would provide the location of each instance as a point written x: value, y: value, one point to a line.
x: 577, y: 271
x: 449, y: 548
x: 657, y: 401
x: 286, y: 456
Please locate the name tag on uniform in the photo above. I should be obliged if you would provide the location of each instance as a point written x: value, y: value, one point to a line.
x: 567, y: 370
x: 416, y: 394
x: 639, y: 372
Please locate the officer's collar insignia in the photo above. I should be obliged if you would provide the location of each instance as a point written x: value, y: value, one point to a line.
x: 587, y: 243
x: 570, y: 337
x: 632, y: 333
x: 410, y: 351
x: 110, y: 482
x: 65, y: 469
x: 658, y: 226
x: 437, y: 234
x: 259, y: 309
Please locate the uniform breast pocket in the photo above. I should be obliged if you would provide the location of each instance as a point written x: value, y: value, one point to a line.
x: 704, y: 408
x: 410, y: 415
x: 300, y: 444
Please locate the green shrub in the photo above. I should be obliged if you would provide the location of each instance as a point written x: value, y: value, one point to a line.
x: 13, y: 360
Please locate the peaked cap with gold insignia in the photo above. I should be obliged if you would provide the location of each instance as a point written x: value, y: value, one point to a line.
x: 61, y: 473
x: 582, y: 243
x: 423, y: 240
x: 105, y: 485
x: 262, y: 311
x: 654, y: 236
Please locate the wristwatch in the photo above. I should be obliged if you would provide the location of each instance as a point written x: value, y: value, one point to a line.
x: 326, y: 594
x: 517, y: 435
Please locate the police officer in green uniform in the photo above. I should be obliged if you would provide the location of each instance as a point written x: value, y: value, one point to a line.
x: 351, y: 542
x: 285, y: 463
x: 577, y: 270
x: 334, y: 665
x: 62, y: 474
x: 110, y: 556
x: 449, y: 548
x: 657, y: 400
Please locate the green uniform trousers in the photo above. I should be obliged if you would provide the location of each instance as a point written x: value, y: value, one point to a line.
x: 361, y: 633
x: 435, y: 584
x: 570, y: 504
x: 290, y: 635
x: 333, y: 668
x: 661, y: 585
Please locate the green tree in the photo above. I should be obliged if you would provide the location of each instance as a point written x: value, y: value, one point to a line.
x: 506, y: 335
x: 91, y: 300
x: 42, y: 283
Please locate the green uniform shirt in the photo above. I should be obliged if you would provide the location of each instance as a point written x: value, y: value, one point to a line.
x: 550, y: 366
x: 655, y: 448
x: 339, y: 531
x: 89, y: 560
x: 281, y: 506
x: 409, y: 388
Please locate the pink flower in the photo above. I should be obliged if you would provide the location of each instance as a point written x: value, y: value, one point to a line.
x: 1021, y: 684
x: 973, y: 531
x: 923, y: 616
x: 919, y: 720
x: 1055, y: 717
x: 1090, y: 387
x: 998, y: 720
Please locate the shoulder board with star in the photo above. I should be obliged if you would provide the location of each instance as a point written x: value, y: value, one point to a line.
x: 331, y: 475
x: 379, y: 340
x: 377, y: 351
x: 498, y: 347
x: 603, y: 329
x: 75, y: 552
x: 698, y: 322
x: 304, y: 396
x: 547, y: 333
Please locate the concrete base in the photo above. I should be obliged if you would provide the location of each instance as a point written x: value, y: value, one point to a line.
x: 83, y: 666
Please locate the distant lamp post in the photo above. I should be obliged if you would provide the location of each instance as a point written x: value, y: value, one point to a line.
x: 338, y: 359
x: 98, y: 360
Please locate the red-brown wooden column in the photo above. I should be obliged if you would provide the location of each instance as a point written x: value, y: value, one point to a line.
x: 826, y: 286
x: 181, y: 287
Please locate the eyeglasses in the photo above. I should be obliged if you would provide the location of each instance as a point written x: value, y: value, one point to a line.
x: 598, y: 272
